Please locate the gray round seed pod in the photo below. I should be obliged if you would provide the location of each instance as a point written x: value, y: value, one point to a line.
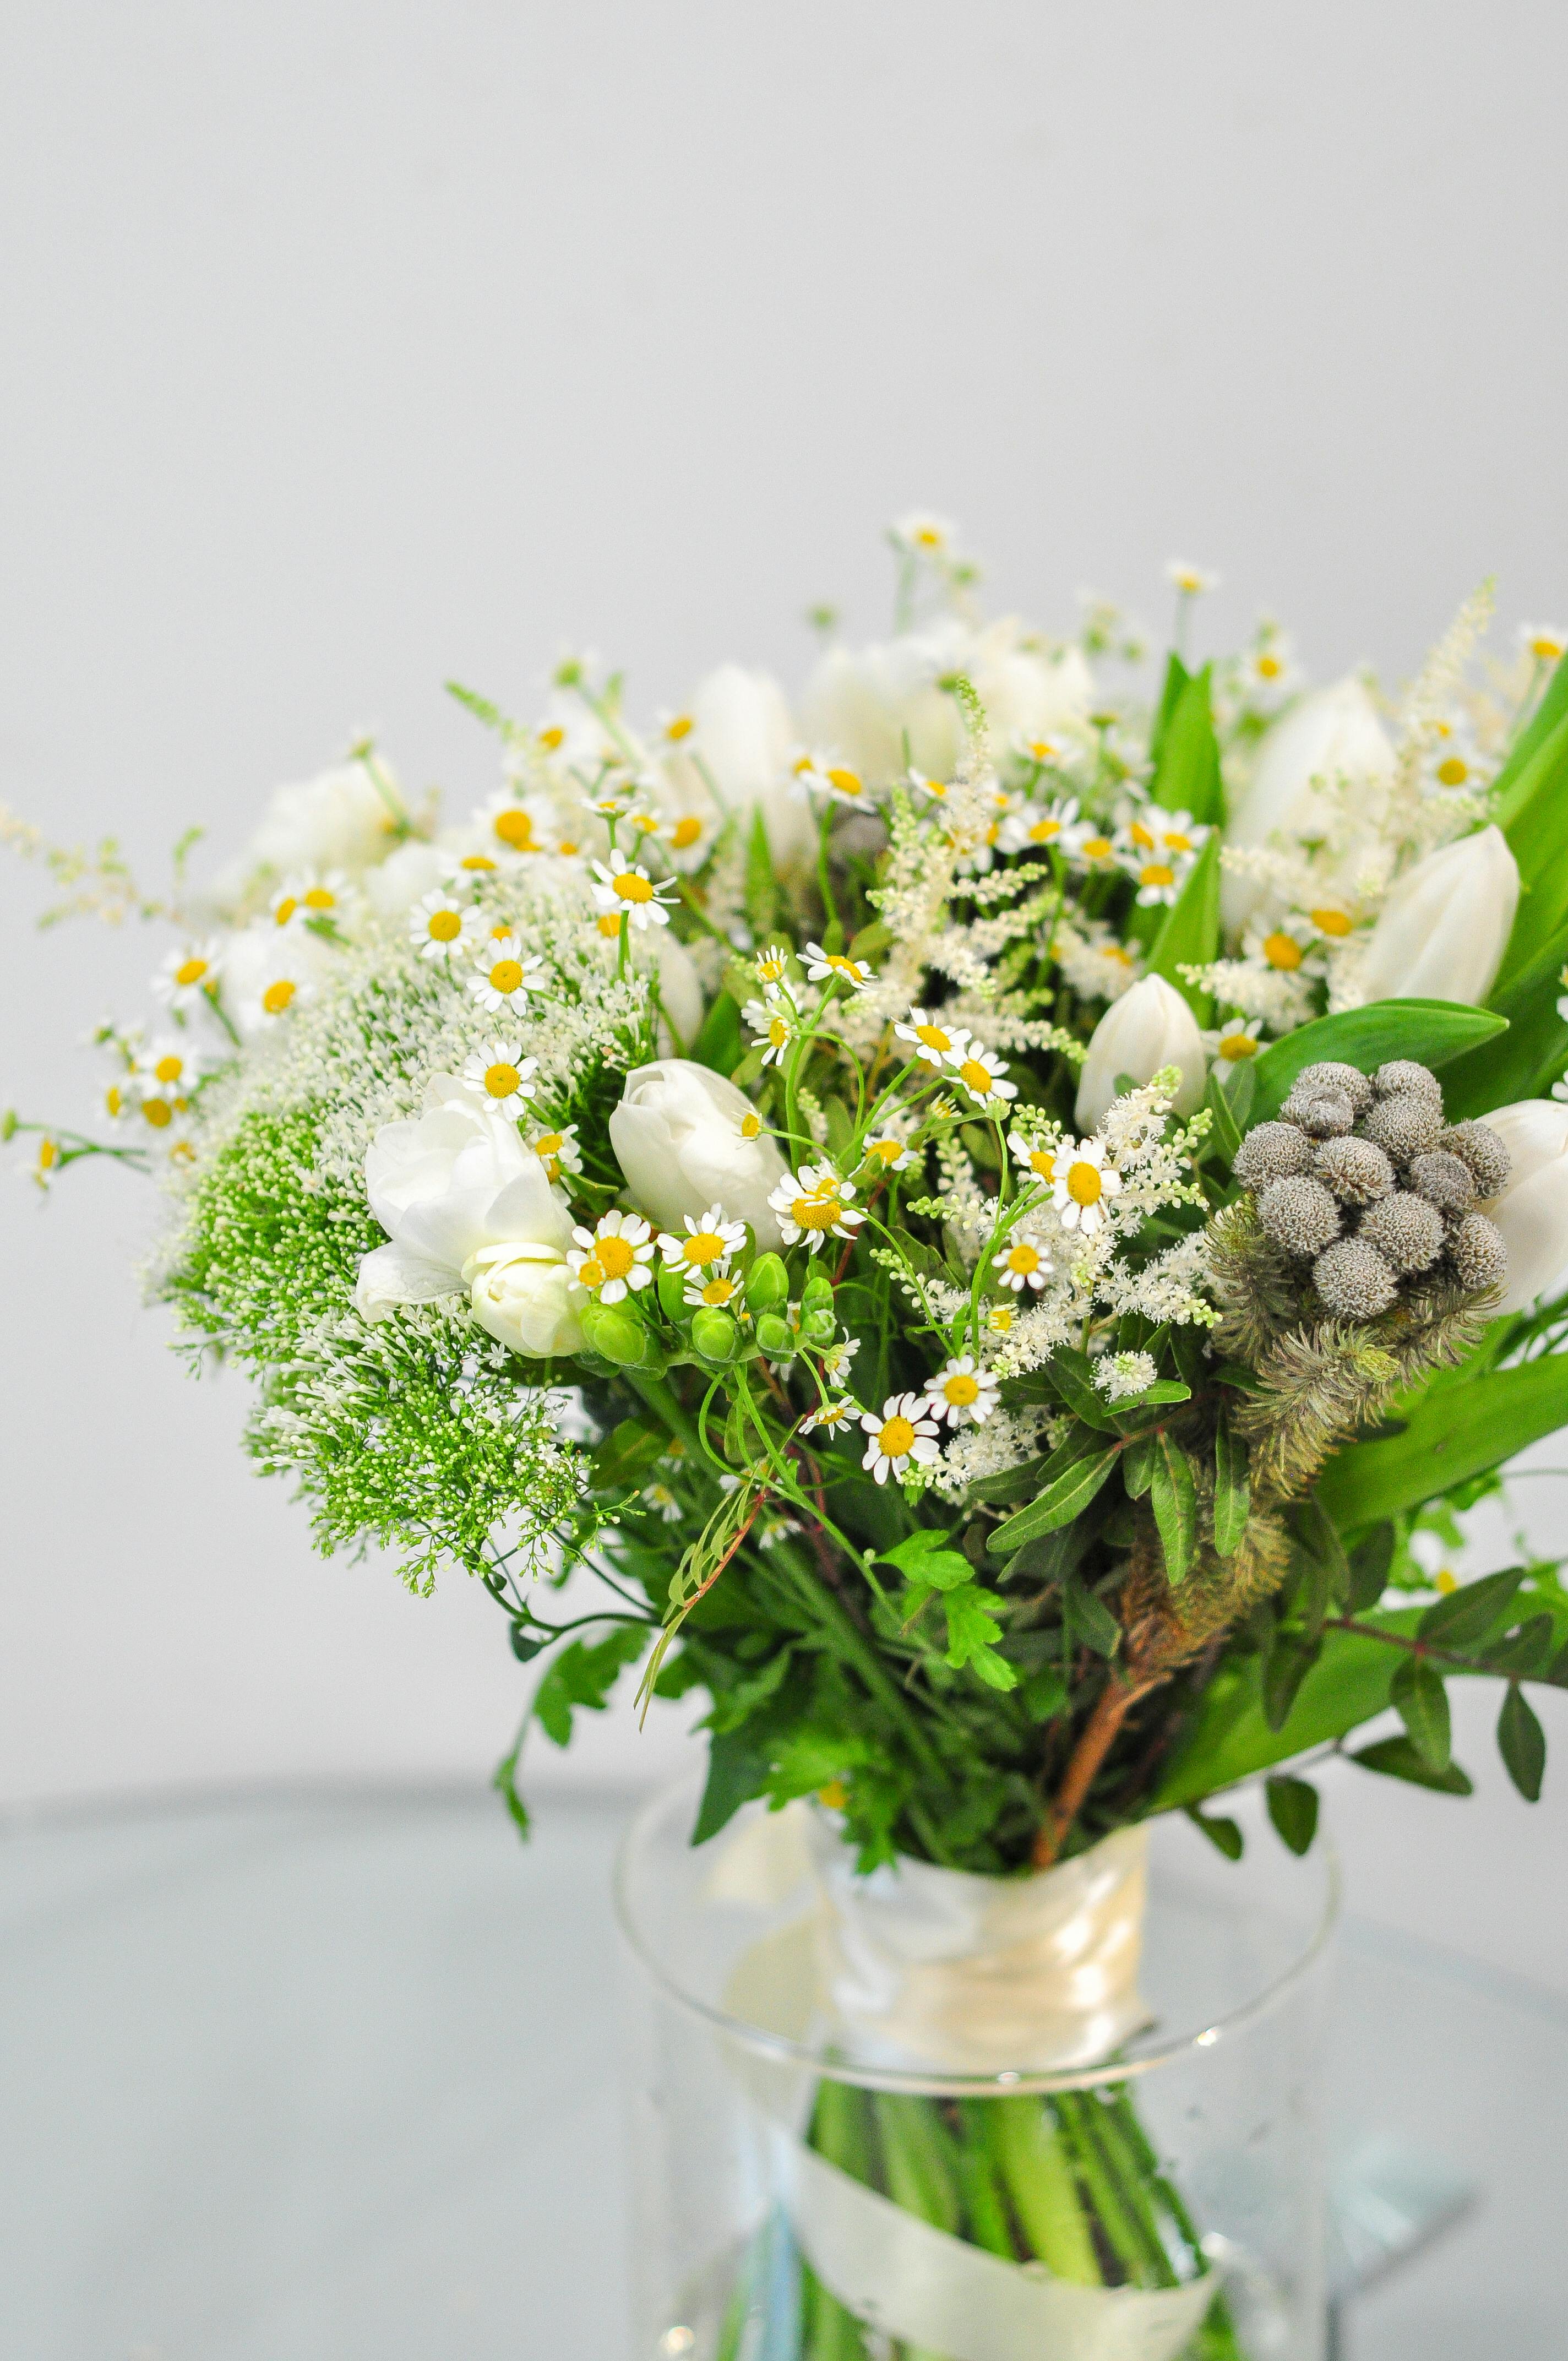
x: 1355, y: 1169
x: 1270, y: 1152
x: 1443, y: 1181
x: 1404, y: 1074
x: 1406, y: 1125
x: 1324, y: 1114
x: 1354, y: 1280
x: 1479, y: 1149
x: 1329, y: 1074
x: 1478, y: 1253
x: 1299, y: 1215
x: 1407, y: 1231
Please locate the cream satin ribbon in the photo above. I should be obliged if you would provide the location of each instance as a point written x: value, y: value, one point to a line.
x: 929, y: 1968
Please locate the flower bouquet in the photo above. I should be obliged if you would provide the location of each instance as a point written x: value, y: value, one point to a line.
x: 986, y: 1223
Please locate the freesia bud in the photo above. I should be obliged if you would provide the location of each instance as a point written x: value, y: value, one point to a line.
x: 1333, y: 734
x: 715, y: 1335
x: 768, y: 1285
x: 679, y: 1134
x: 1532, y: 1211
x: 1445, y: 925
x: 1148, y: 1027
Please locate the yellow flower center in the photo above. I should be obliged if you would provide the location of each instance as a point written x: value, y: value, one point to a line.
x: 932, y: 1036
x: 632, y: 888
x: 751, y: 1125
x: 501, y: 1080
x: 1096, y: 848
x: 1001, y: 1319
x: 516, y: 827
x: 680, y: 727
x: 169, y: 1070
x: 1282, y: 951
x: 1042, y: 1161
x: 285, y: 909
x: 610, y: 924
x: 960, y: 1391
x: 1330, y: 922
x: 1236, y: 1046
x: 49, y: 1154
x: 718, y: 1290
x: 896, y: 1439
x: 591, y: 1273
x: 887, y: 1150
x: 114, y: 1100
x: 1175, y: 841
x: 706, y: 1246
x: 321, y: 897
x: 1156, y: 874
x: 1085, y: 1184
x: 1545, y: 650
x: 1024, y: 1258
x: 553, y: 738
x: 1452, y: 771
x: 778, y: 1033
x: 616, y: 1256
x: 926, y: 536
x: 816, y: 1213
x: 842, y: 966
x: 835, y: 1794
x: 505, y: 975
x: 190, y: 972
x: 1269, y: 667
x: 476, y: 861
x: 277, y: 996
x: 159, y: 1113
x: 685, y: 833
x: 844, y: 783
x: 445, y: 926
x: 1044, y: 830
x: 1141, y: 835
x: 979, y: 1079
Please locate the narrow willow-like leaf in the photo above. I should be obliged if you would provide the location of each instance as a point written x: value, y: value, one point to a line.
x: 1232, y: 1490
x: 1174, y: 1498
x: 1062, y: 1500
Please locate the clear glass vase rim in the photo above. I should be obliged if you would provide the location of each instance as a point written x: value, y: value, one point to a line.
x: 779, y: 2049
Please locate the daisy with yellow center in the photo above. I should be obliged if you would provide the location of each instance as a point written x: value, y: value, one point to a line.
x: 607, y: 925
x: 935, y: 1043
x: 773, y: 1022
x: 558, y: 1151
x: 677, y: 729
x: 116, y: 1103
x: 308, y: 897
x: 835, y: 1360
x: 551, y: 738
x: 1335, y: 924
x: 932, y: 787
x: 1035, y: 828
x: 186, y: 974
x: 687, y: 839
x: 158, y: 1110
x: 1083, y: 1185
x: 631, y: 894
x: 1177, y: 835
x: 1158, y: 883
x: 502, y: 1075
x: 1091, y: 848
x: 662, y: 1501
x: 831, y: 1418
x: 504, y: 977
x: 1035, y: 1156
x: 836, y: 781
x: 1546, y: 642
x: 1190, y: 581
x: 1235, y: 1042
x: 822, y: 965
x: 887, y: 1151
x: 1049, y: 753
x: 983, y: 1075
x: 1025, y: 1262
x: 900, y: 1432
x: 1282, y: 951
x: 713, y: 1291
x: 514, y: 827
x: 709, y: 1238
x: 771, y: 966
x: 813, y: 1205
x: 477, y: 863
x: 927, y: 536
x: 45, y: 1160
x: 998, y: 1320
x: 615, y: 1259
x: 751, y: 1125
x: 963, y: 1393
x: 443, y: 926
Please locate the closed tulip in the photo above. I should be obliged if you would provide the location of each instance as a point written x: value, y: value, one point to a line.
x: 1443, y: 929
x: 1150, y: 1026
x: 1531, y: 1212
x: 1333, y: 734
x: 687, y: 1140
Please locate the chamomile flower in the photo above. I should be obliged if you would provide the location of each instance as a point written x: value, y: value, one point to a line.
x: 662, y: 1501
x: 771, y: 1021
x: 1088, y: 847
x: 998, y: 1320
x: 1159, y: 883
x: 282, y: 984
x: 1451, y: 760
x: 771, y: 965
x: 1169, y: 836
x: 922, y: 534
x: 1283, y: 945
x: 1081, y: 1184
x: 1234, y: 1042
x: 821, y: 965
x: 1547, y: 642
x: 687, y: 840
x: 443, y: 927
x: 815, y: 1204
x: 166, y: 1066
x: 983, y: 1075
x: 512, y: 827
x: 709, y: 1239
x: 558, y: 1150
x: 187, y: 973
x: 935, y: 788
x: 628, y: 891
x: 887, y: 1147
x: 831, y: 1418
x: 613, y: 1259
x: 678, y: 731
x: 500, y: 1070
x: 935, y: 1043
x: 717, y: 1290
x: 504, y: 976
x: 1191, y: 581
x: 835, y: 782
x: 900, y: 1432
x: 1025, y: 1261
x: 1047, y: 752
x: 1268, y: 670
x: 835, y: 1360
x: 963, y: 1392
x: 308, y: 897
x: 1035, y: 1155
x: 1035, y: 828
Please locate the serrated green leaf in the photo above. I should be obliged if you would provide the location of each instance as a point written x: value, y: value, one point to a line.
x: 972, y: 1633
x: 1232, y: 1494
x: 1452, y: 1432
x: 1421, y: 1700
x: 1395, y: 1758
x: 1468, y: 1614
x: 1173, y: 1496
x: 1293, y: 1808
x: 1521, y: 1741
x: 1061, y: 1499
x: 1431, y: 1031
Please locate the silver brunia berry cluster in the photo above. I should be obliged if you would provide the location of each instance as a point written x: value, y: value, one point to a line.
x: 1361, y: 1177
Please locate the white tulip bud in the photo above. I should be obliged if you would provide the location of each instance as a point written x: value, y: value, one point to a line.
x: 680, y: 988
x: 687, y: 1140
x: 1445, y: 925
x: 1333, y: 734
x: 1532, y: 1211
x: 1148, y: 1027
x: 744, y: 736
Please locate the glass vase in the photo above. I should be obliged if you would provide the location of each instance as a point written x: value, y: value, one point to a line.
x: 926, y: 2117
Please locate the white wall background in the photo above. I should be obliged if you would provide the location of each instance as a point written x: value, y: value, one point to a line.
x: 348, y: 346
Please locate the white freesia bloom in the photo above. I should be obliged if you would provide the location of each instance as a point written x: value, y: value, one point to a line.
x: 743, y: 737
x: 1532, y: 1211
x: 1334, y: 733
x: 688, y: 1139
x: 467, y: 1205
x: 879, y: 709
x: 1443, y: 929
x: 1150, y: 1026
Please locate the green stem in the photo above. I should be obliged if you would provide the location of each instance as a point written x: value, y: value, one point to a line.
x: 1118, y: 2202
x: 981, y: 2189
x: 1039, y: 2182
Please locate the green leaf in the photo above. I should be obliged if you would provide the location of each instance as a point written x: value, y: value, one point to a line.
x: 1087, y: 1617
x: 1232, y: 1494
x: 1289, y: 1659
x: 582, y: 1676
x: 1174, y: 1498
x: 1395, y: 1758
x: 1190, y: 934
x: 1043, y: 1694
x: 1418, y: 1696
x: 1537, y: 1045
x: 762, y: 882
x: 1431, y: 1031
x: 1176, y: 679
x: 1061, y: 1499
x: 1510, y: 795
x: 1186, y: 767
x: 1223, y: 1834
x: 972, y: 1633
x: 927, y: 1556
x: 1527, y: 1655
x: 737, y: 1771
x: 1293, y: 1808
x: 736, y: 1705
x: 1227, y: 1132
x: 1468, y: 1614
x: 1069, y: 1372
x: 627, y: 1454
x: 1521, y: 1741
x: 1138, y: 1465
x: 1451, y: 1433
x: 717, y: 1044
x: 1369, y: 1562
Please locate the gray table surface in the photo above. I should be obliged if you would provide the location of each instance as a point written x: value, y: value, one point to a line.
x: 334, y: 2077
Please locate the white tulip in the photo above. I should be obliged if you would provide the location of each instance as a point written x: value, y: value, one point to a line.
x: 744, y: 737
x: 1444, y: 929
x: 467, y: 1205
x: 679, y: 1134
x: 680, y: 988
x: 1150, y: 1026
x: 413, y: 871
x: 879, y: 709
x: 1334, y: 733
x: 1532, y: 1211
x: 336, y: 821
